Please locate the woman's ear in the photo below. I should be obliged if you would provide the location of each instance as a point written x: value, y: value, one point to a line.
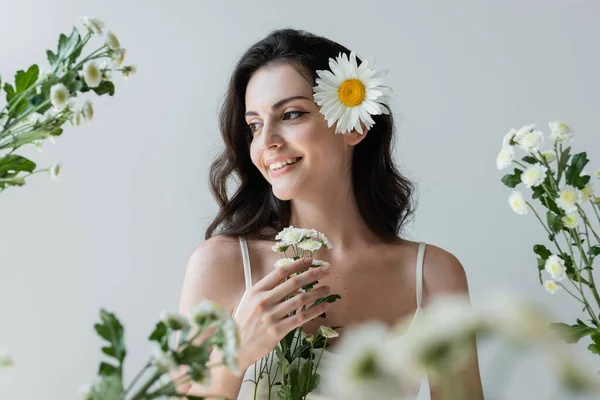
x: 353, y: 138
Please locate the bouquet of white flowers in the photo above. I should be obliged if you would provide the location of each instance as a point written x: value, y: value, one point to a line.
x: 559, y: 182
x: 294, y: 357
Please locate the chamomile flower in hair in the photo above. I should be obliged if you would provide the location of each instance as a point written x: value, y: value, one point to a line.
x: 349, y: 94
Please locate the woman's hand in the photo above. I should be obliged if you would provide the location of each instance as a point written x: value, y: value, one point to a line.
x: 263, y: 316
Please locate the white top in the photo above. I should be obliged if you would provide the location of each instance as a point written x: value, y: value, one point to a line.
x: 247, y: 388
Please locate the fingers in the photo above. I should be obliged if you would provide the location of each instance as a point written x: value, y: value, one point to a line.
x: 274, y: 277
x: 295, y: 303
x: 297, y: 281
x: 287, y: 324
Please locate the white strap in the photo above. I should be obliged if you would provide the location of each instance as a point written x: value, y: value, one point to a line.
x: 246, y: 260
x: 420, y: 257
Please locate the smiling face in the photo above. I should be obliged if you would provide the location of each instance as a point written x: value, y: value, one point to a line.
x: 291, y: 144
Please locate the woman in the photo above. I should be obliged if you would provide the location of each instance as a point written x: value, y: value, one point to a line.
x: 292, y: 169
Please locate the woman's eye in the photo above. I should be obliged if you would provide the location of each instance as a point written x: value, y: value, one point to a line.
x: 292, y: 113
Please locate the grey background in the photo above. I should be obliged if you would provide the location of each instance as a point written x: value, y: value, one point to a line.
x: 133, y: 200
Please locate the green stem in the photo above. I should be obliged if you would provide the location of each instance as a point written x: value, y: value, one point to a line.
x: 137, y: 377
x: 538, y: 217
x: 142, y: 391
x: 571, y: 293
x: 588, y: 266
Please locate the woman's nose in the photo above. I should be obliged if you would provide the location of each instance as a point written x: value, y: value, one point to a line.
x: 271, y: 136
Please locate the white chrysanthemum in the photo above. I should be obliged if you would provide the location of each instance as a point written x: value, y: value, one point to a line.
x: 319, y: 263
x: 6, y: 360
x: 283, y: 261
x: 549, y: 156
x: 567, y: 198
x: 361, y: 368
x: 54, y: 170
x: 280, y: 247
x: 505, y: 157
x: 128, y: 70
x: 571, y: 220
x: 92, y: 74
x: 88, y: 110
x: 586, y: 193
x: 174, y: 321
x: 310, y: 233
x: 324, y: 241
x: 560, y: 132
x: 232, y: 346
x: 508, y: 139
x: 523, y: 131
x: 111, y: 41
x: 531, y: 141
x: 290, y: 235
x: 206, y: 312
x: 551, y: 286
x: 93, y: 24
x: 59, y: 96
x: 163, y: 360
x: 76, y: 119
x: 555, y: 266
x: 534, y: 175
x: 328, y: 332
x: 118, y: 57
x: 39, y: 145
x: 309, y: 245
x: 517, y: 203
x: 349, y: 94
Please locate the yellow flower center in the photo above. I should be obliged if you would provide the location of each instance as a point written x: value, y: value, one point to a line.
x: 352, y: 92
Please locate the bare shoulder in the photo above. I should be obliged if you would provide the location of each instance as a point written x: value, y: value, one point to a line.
x: 214, y: 272
x: 443, y: 273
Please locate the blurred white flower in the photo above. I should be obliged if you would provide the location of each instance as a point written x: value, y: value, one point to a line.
x: 280, y: 247
x: 283, y: 261
x: 163, y: 360
x: 111, y: 41
x: 324, y: 241
x: 92, y: 74
x: 551, y: 286
x: 508, y: 138
x: 523, y: 131
x: 232, y: 346
x: 206, y: 312
x: 567, y: 198
x: 328, y: 332
x: 76, y: 119
x: 319, y: 263
x: 6, y: 360
x: 555, y: 266
x: 118, y: 57
x: 93, y: 24
x: 309, y: 245
x: 59, y: 96
x: 531, y: 141
x: 290, y: 235
x: 128, y: 70
x: 39, y: 145
x: 88, y: 110
x: 549, y: 156
x: 560, y: 132
x: 505, y: 157
x: 534, y: 175
x: 586, y: 193
x: 310, y: 233
x: 571, y: 220
x: 598, y: 174
x: 174, y: 321
x: 54, y: 170
x: 517, y: 203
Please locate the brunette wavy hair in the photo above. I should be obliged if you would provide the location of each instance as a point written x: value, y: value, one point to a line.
x: 383, y: 195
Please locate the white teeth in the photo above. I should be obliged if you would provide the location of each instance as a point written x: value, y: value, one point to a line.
x: 281, y: 164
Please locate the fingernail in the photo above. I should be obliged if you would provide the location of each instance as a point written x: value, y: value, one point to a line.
x: 326, y: 269
x: 308, y: 260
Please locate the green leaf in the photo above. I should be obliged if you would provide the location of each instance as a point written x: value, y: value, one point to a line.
x: 330, y: 299
x: 578, y: 162
x: 595, y: 347
x: 160, y: 335
x: 110, y: 351
x: 106, y: 87
x: 16, y: 163
x: 193, y: 354
x: 190, y: 397
x: 512, y: 180
x: 106, y: 369
x: 542, y: 251
x: 24, y: 80
x: 555, y: 222
x: 52, y: 58
x: 303, y: 379
x: 10, y: 92
x: 315, y: 379
x: 183, y: 335
x: 111, y: 330
x: 563, y: 160
x: 572, y: 333
x: 530, y: 160
x: 594, y: 251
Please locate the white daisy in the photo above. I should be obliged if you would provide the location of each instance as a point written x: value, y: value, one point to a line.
x: 567, y: 198
x: 92, y: 74
x: 319, y: 263
x: 349, y: 94
x: 59, y: 96
x: 517, y: 203
x: 163, y: 360
x: 549, y: 156
x: 310, y: 233
x: 206, y: 312
x: 174, y: 321
x: 118, y: 57
x: 509, y: 137
x: 328, y: 332
x: 324, y: 241
x: 531, y: 141
x: 505, y: 157
x: 128, y: 70
x: 571, y: 220
x: 290, y: 235
x: 310, y: 245
x: 586, y: 193
x: 555, y: 266
x: 88, y: 110
x: 93, y: 24
x: 551, y: 286
x: 76, y: 119
x: 534, y: 175
x: 280, y: 247
x: 560, y: 132
x: 54, y: 170
x: 523, y: 131
x: 111, y: 41
x: 283, y: 261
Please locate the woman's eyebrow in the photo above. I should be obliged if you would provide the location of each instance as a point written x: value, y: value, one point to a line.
x: 278, y: 104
